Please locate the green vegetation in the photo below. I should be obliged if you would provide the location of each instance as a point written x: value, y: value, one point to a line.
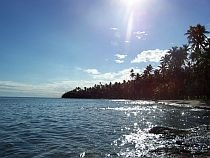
x: 184, y: 73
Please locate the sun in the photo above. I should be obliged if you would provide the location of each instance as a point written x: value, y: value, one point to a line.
x: 131, y: 3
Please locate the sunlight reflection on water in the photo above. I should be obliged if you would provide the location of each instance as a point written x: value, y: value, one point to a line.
x: 38, y: 128
x: 138, y: 142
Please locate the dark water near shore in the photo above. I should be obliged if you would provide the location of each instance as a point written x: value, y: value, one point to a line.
x: 38, y: 127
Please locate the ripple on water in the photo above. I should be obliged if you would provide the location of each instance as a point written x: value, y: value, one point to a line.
x: 141, y: 143
x: 42, y: 128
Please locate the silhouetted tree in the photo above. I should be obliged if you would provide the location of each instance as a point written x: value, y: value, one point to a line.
x: 184, y: 72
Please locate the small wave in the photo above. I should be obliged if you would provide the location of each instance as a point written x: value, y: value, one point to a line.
x: 119, y: 100
x: 175, y: 104
x: 141, y: 102
x: 135, y: 102
x: 130, y: 109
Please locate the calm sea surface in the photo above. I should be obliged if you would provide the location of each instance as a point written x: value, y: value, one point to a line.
x: 65, y: 128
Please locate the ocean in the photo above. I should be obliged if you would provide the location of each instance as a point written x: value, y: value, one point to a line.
x: 65, y: 128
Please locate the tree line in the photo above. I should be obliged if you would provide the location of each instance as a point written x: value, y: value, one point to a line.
x: 183, y: 73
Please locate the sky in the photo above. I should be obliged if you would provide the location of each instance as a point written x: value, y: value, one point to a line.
x: 48, y: 47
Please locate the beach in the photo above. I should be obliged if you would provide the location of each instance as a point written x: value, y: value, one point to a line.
x: 200, y: 104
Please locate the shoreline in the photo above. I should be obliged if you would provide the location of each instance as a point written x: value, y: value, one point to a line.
x: 199, y: 104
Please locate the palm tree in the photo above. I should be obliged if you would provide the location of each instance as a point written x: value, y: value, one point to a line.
x: 132, y: 74
x: 197, y: 40
x: 196, y: 36
x: 148, y: 71
x: 156, y: 73
x: 138, y: 76
x: 178, y: 58
x: 200, y: 57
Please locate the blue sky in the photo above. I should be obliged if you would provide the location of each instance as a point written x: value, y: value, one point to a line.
x: 48, y: 47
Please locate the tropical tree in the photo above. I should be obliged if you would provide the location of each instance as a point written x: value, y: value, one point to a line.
x: 199, y: 46
x: 132, y: 74
x: 147, y: 72
x: 198, y: 40
x: 183, y: 71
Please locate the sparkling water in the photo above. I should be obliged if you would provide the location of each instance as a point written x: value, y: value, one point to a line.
x: 42, y: 127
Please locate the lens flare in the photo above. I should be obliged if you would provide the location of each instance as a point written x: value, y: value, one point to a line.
x: 129, y: 27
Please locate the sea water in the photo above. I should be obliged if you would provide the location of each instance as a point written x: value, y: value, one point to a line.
x: 43, y: 127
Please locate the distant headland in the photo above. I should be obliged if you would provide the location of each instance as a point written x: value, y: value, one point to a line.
x: 183, y: 73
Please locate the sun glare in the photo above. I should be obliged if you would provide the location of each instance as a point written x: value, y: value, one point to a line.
x: 131, y: 3
x: 129, y: 27
x: 131, y: 7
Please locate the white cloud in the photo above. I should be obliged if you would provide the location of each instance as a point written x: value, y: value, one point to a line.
x: 50, y: 89
x: 208, y: 25
x: 149, y: 56
x: 141, y: 35
x: 22, y: 89
x: 58, y: 87
x: 119, y: 61
x: 116, y: 76
x: 120, y: 58
x: 92, y: 71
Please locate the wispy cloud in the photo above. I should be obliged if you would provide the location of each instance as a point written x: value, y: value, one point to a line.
x: 126, y: 41
x: 119, y: 61
x: 120, y: 58
x: 149, y: 56
x: 173, y: 43
x: 116, y: 32
x: 58, y: 87
x: 92, y: 71
x: 50, y: 89
x: 118, y: 76
x: 141, y: 35
x: 208, y: 25
x: 114, y: 28
x: 116, y: 36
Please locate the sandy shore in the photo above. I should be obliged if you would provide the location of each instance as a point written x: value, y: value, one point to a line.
x: 186, y: 103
